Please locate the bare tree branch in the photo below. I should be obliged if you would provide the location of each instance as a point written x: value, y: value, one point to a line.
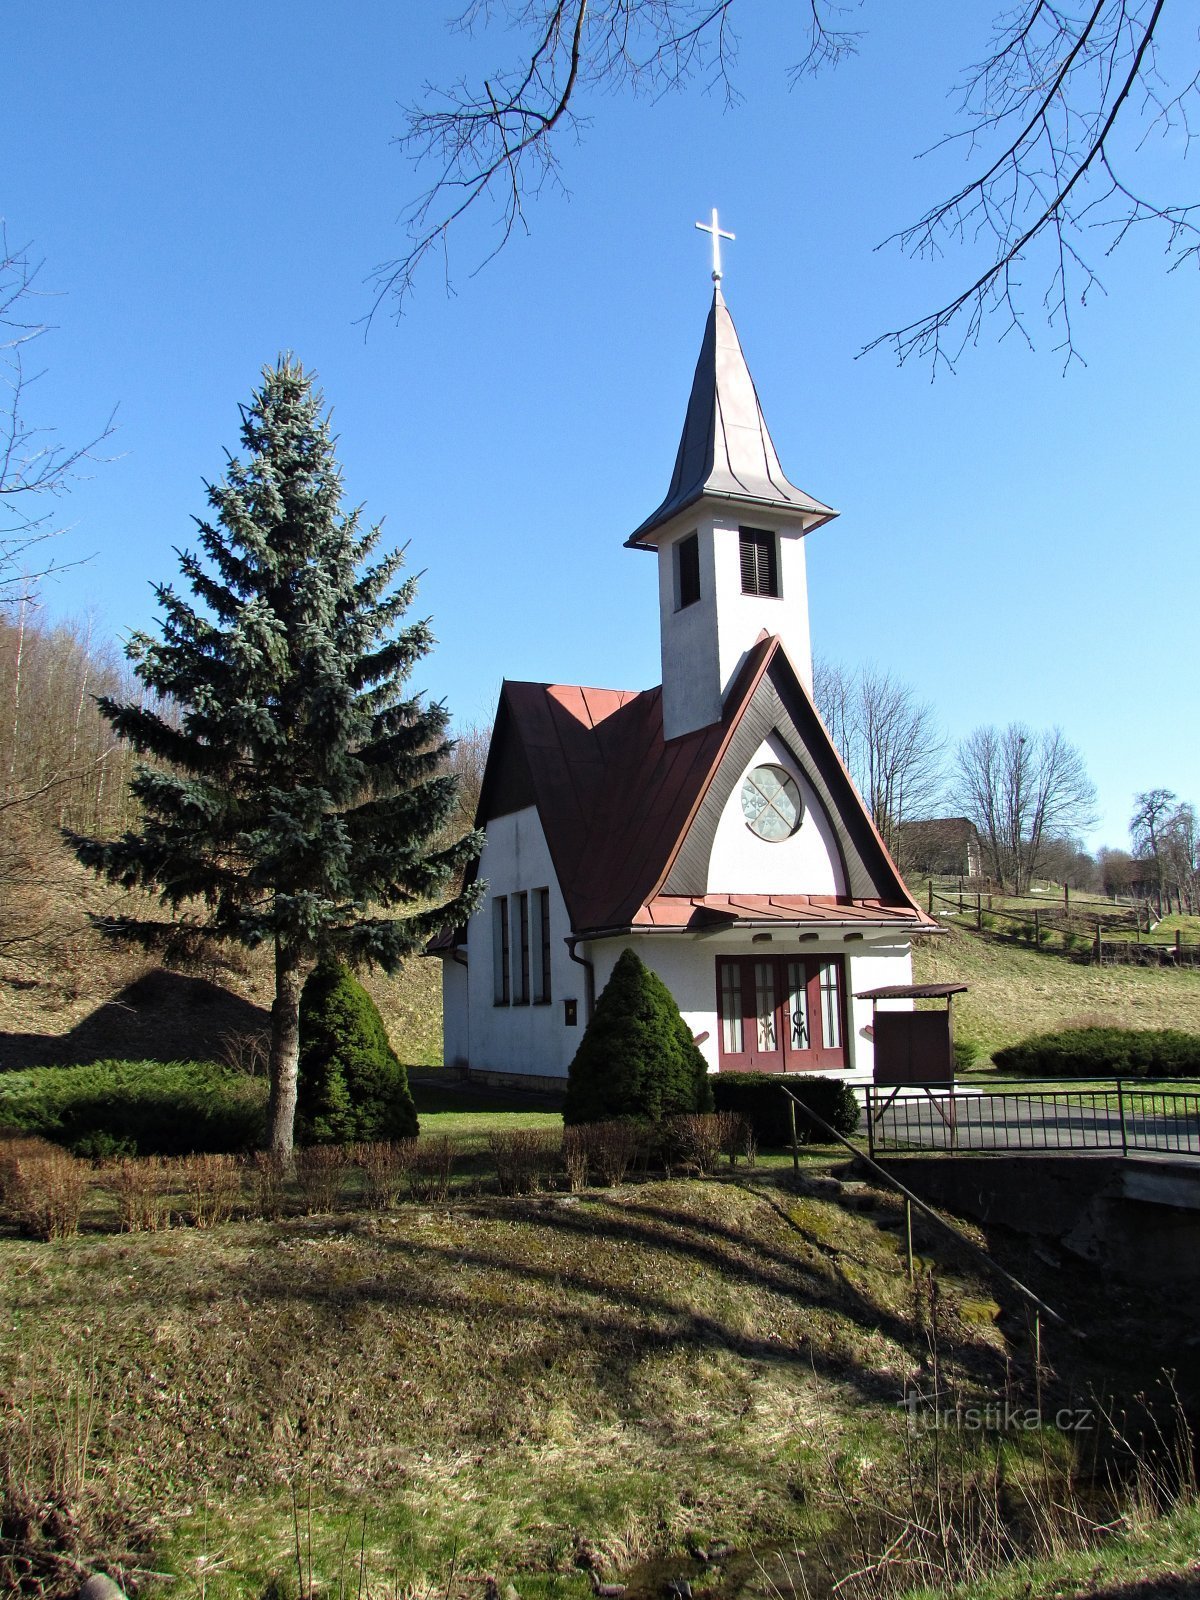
x: 35, y: 469
x: 495, y: 147
x: 1053, y: 93
x: 1058, y: 110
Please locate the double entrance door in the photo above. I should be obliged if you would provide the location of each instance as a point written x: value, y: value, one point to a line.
x: 781, y: 1013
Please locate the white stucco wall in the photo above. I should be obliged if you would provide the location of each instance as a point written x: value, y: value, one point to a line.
x: 688, y: 968
x: 704, y: 645
x: 807, y: 863
x: 529, y: 1038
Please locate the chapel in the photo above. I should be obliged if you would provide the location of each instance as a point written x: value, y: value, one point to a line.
x: 708, y: 822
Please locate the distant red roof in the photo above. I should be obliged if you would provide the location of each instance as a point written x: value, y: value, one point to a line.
x: 617, y: 800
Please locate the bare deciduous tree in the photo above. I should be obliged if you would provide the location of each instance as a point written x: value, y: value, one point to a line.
x: 1021, y: 790
x: 1164, y: 833
x: 35, y: 469
x: 1054, y: 115
x: 889, y: 740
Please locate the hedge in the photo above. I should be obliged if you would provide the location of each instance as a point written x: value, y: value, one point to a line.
x: 144, y: 1108
x: 1104, y: 1053
x: 758, y: 1097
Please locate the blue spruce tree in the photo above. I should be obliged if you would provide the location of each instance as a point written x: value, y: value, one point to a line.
x: 298, y: 797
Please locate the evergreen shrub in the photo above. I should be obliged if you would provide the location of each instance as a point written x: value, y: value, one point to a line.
x: 1104, y: 1053
x: 144, y: 1107
x: 758, y: 1097
x: 637, y: 1057
x: 353, y: 1086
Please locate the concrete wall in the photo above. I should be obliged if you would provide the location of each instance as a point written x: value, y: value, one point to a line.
x: 1137, y: 1218
x: 704, y: 645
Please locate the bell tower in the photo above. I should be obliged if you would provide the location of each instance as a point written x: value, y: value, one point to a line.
x: 729, y: 535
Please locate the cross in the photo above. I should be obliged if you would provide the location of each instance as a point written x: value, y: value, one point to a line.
x: 718, y: 233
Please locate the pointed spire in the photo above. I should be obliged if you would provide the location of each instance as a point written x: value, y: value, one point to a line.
x: 726, y: 451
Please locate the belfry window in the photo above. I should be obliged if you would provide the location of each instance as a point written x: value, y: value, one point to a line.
x: 687, y: 571
x: 759, y: 554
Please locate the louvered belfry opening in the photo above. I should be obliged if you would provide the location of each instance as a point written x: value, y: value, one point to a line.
x: 760, y: 562
x: 688, y: 571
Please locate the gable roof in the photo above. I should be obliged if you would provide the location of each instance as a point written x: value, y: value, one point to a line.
x: 628, y: 815
x: 726, y: 451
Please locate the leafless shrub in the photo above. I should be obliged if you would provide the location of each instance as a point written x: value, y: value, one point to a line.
x: 611, y: 1148
x: 429, y: 1170
x: 248, y: 1053
x: 139, y: 1188
x: 320, y: 1173
x: 736, y: 1136
x: 575, y: 1158
x: 212, y: 1185
x: 692, y: 1142
x: 384, y: 1167
x: 43, y: 1188
x: 526, y: 1159
x: 268, y: 1179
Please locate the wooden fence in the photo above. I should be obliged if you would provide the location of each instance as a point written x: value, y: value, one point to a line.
x: 1084, y: 936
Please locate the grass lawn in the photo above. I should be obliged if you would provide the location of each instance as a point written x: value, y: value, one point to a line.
x: 481, y: 1386
x: 1015, y: 991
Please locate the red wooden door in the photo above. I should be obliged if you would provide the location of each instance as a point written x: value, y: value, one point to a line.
x: 781, y: 1013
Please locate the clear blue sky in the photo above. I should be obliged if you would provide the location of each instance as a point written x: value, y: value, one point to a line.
x: 211, y: 185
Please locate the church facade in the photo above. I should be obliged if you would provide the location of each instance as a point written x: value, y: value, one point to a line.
x: 708, y: 823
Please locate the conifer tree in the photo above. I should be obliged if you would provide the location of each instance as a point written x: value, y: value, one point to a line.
x: 296, y: 798
x: 637, y: 1057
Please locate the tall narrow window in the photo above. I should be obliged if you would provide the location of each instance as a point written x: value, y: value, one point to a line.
x: 541, y: 945
x: 797, y: 1021
x: 731, y: 1007
x: 764, y: 1004
x: 687, y: 571
x: 500, y: 992
x: 520, y: 929
x: 831, y: 1006
x: 760, y: 562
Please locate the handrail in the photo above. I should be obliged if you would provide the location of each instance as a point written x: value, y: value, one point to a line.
x: 914, y: 1199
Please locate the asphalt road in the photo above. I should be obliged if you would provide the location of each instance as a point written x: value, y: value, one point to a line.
x: 1063, y: 1120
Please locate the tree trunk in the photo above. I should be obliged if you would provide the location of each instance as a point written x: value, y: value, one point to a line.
x: 285, y: 1049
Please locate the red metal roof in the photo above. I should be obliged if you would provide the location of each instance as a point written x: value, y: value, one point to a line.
x: 616, y: 801
x: 683, y: 911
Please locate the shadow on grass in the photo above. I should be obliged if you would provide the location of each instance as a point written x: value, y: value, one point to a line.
x: 626, y: 1321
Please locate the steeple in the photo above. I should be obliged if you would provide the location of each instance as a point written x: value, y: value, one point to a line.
x: 729, y: 537
x: 726, y: 452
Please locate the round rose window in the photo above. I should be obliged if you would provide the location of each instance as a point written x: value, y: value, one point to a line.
x: 771, y: 803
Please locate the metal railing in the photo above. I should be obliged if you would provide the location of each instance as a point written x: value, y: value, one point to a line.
x: 957, y: 1233
x: 1119, y: 1118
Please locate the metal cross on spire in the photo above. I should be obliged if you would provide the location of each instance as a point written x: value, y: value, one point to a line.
x: 718, y: 233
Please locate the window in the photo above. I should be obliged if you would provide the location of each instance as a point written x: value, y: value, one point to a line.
x: 520, y: 928
x: 500, y: 993
x: 687, y: 571
x: 831, y: 1006
x: 771, y: 804
x: 760, y: 562
x: 781, y: 1013
x: 541, y: 923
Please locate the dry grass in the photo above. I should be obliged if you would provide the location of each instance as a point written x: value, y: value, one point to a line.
x: 1014, y: 992
x: 506, y: 1379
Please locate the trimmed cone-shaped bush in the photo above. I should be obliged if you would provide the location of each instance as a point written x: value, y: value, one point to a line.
x: 353, y: 1085
x: 637, y: 1057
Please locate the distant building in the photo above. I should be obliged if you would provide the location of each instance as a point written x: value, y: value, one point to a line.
x: 708, y: 823
x: 941, y: 847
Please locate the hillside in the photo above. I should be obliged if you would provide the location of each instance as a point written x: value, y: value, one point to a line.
x: 1014, y: 990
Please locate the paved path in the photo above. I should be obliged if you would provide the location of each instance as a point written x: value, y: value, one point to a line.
x: 1066, y: 1120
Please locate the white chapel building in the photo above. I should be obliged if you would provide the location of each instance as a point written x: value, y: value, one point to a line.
x: 708, y: 823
